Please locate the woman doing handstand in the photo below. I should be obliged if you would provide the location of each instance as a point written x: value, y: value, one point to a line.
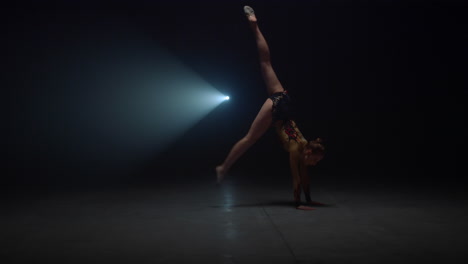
x: 275, y: 111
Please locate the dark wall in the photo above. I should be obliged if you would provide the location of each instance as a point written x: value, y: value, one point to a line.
x: 383, y: 83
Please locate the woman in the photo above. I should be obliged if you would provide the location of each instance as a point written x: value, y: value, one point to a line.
x: 275, y: 111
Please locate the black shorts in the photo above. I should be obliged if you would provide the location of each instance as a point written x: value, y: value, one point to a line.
x: 282, y: 107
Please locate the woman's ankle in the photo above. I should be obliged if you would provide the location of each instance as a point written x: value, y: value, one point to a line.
x: 219, y: 173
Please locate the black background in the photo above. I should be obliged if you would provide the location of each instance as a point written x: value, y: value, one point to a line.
x: 382, y: 82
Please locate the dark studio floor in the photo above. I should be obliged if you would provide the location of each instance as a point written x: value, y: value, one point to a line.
x: 242, y: 221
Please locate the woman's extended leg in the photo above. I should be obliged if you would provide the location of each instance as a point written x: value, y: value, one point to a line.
x: 259, y: 126
x: 269, y: 76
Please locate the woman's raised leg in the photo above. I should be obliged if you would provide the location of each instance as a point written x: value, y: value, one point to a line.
x: 269, y: 76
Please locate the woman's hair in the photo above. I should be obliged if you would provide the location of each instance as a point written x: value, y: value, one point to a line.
x: 316, y: 146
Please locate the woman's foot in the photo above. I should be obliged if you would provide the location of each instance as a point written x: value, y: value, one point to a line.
x: 303, y: 207
x: 249, y: 12
x: 219, y: 174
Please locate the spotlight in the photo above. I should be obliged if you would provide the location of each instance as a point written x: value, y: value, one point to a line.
x: 226, y: 98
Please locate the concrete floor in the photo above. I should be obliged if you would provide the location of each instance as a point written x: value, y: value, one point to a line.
x: 239, y: 222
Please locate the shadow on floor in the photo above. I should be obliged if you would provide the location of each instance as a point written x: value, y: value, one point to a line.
x: 272, y: 203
